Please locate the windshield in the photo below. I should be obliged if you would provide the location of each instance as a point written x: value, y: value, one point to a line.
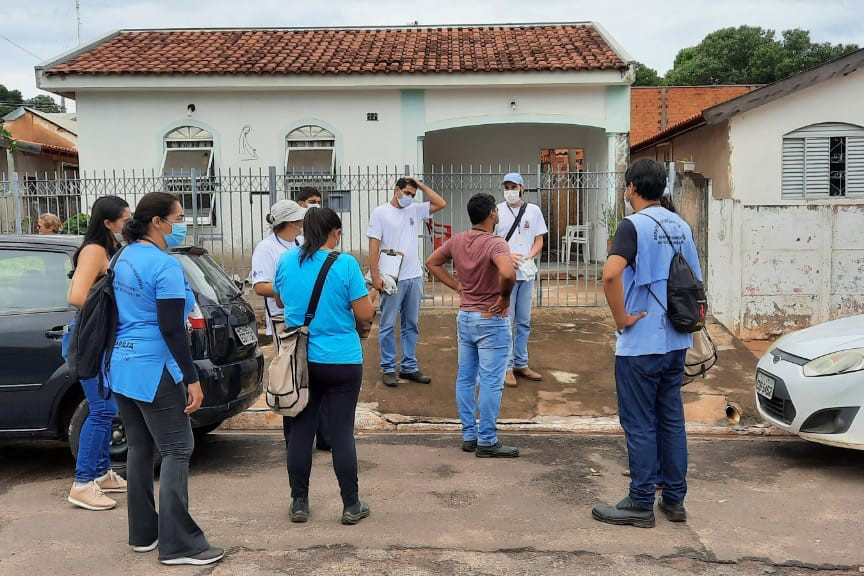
x: 207, y: 279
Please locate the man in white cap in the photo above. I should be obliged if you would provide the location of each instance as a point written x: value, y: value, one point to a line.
x: 286, y: 220
x: 521, y: 224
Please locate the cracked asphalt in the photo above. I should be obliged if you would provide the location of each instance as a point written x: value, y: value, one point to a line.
x: 756, y: 506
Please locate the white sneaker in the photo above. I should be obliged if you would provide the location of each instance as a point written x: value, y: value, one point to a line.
x: 148, y: 548
x: 90, y: 497
x: 111, y: 482
x: 209, y: 556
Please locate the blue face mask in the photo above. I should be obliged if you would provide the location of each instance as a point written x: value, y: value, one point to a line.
x: 177, y: 235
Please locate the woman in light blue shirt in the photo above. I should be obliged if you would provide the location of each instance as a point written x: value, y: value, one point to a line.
x: 154, y: 378
x: 335, y: 357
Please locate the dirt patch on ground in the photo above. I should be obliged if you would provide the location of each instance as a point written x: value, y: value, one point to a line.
x: 573, y: 349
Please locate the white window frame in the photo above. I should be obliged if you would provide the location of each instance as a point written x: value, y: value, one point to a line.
x: 185, y: 139
x: 310, y: 138
x: 806, y: 161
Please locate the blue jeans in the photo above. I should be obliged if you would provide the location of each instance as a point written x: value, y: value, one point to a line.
x: 652, y: 415
x: 94, y: 442
x: 94, y: 457
x: 520, y: 317
x: 406, y: 302
x: 484, y: 344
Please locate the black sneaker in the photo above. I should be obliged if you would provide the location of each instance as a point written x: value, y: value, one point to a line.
x: 469, y: 445
x: 497, y: 451
x: 390, y: 379
x: 353, y: 514
x: 624, y: 513
x: 209, y: 556
x: 418, y: 377
x: 299, y: 509
x: 674, y: 511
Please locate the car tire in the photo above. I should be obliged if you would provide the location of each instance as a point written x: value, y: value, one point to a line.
x: 119, y: 446
x: 204, y: 430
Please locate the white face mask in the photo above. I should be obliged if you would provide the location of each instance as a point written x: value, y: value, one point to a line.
x: 628, y: 207
x: 118, y: 237
x: 511, y: 196
x: 405, y: 201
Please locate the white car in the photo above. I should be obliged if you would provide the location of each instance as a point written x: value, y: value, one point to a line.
x: 811, y: 383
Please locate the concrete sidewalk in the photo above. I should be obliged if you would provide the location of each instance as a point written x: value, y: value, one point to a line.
x: 756, y: 506
x: 573, y: 348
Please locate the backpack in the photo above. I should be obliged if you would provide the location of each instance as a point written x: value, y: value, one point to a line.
x: 686, y: 304
x: 92, y: 339
x: 287, y: 391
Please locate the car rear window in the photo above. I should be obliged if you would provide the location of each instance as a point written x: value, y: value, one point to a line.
x: 207, y: 279
x: 33, y: 280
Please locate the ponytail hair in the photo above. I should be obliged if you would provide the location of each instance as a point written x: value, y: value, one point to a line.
x: 317, y: 226
x: 151, y: 205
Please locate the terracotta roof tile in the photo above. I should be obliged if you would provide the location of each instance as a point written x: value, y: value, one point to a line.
x: 656, y: 108
x: 412, y: 50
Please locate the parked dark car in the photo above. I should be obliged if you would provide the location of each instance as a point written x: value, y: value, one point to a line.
x: 37, y: 396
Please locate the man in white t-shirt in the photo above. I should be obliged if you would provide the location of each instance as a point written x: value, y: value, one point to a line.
x: 397, y: 225
x: 526, y: 242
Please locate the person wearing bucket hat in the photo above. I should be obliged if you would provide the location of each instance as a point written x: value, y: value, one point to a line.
x: 286, y: 220
x: 522, y: 225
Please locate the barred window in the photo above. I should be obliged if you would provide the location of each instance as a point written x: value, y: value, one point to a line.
x: 823, y: 161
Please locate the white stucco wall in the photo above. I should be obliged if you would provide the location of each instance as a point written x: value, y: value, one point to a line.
x: 124, y: 130
x: 756, y: 137
x: 586, y: 103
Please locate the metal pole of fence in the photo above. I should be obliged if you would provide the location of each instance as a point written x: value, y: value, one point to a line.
x: 16, y: 195
x: 272, y: 174
x: 194, y: 173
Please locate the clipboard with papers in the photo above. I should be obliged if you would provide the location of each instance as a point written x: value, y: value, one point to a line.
x: 390, y: 263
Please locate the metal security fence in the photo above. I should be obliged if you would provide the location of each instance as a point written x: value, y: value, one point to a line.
x: 226, y: 212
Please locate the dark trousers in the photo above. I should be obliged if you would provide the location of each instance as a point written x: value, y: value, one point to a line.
x: 163, y: 425
x: 339, y: 386
x: 322, y: 440
x: 652, y: 415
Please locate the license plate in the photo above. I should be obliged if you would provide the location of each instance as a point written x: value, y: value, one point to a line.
x: 247, y: 334
x: 765, y: 385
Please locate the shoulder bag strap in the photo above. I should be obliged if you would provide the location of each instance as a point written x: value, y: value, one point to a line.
x: 319, y: 286
x: 516, y: 222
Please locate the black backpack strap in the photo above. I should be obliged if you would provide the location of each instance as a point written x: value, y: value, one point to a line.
x: 319, y: 286
x: 516, y: 222
x: 673, y: 249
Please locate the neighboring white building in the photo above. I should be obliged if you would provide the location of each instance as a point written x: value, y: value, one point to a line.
x: 334, y: 100
x: 784, y: 201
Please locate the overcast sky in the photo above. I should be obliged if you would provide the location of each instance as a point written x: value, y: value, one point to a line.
x: 651, y: 31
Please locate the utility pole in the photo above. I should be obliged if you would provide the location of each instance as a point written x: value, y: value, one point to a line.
x: 78, y: 38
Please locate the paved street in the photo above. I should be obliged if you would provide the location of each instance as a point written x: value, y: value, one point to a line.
x: 757, y: 506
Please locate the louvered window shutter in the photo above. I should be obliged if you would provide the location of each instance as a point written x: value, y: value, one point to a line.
x: 816, y: 166
x: 855, y: 166
x: 793, y: 168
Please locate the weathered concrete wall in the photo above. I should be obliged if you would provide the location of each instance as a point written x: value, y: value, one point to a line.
x: 773, y: 269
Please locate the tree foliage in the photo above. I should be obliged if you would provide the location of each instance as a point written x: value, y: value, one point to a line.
x: 646, y: 76
x: 11, y: 99
x: 750, y: 55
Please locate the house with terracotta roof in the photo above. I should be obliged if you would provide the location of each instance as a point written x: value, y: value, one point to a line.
x: 775, y: 193
x: 320, y: 101
x: 47, y: 145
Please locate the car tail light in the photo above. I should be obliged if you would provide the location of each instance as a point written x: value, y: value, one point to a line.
x: 196, y: 319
